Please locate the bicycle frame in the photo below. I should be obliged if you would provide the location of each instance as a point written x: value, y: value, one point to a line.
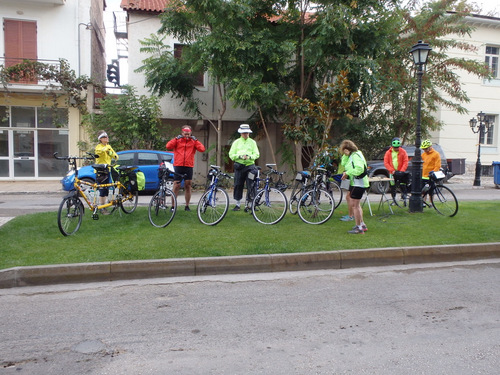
x: 213, y: 190
x: 79, y: 192
x: 269, y: 204
x: 214, y: 203
x: 92, y: 205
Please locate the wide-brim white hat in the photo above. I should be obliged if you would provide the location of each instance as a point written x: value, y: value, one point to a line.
x: 244, y: 128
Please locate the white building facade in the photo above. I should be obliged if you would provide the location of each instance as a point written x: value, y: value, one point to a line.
x: 45, y: 31
x: 456, y: 137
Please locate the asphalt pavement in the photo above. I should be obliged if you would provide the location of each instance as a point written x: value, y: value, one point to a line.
x: 14, y: 192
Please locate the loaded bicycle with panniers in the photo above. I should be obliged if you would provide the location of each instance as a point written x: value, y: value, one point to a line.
x: 434, y: 194
x: 124, y: 193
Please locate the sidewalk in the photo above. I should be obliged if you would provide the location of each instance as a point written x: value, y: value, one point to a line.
x: 459, y: 182
x: 32, y: 187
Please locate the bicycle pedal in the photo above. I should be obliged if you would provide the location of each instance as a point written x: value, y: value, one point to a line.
x: 95, y: 216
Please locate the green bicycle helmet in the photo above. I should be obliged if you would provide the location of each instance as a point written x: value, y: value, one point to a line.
x: 426, y: 144
x: 396, y: 142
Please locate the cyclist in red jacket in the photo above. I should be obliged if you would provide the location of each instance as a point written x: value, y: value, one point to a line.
x: 396, y: 162
x: 184, y: 146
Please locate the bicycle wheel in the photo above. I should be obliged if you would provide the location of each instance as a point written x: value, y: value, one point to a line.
x: 316, y: 206
x: 336, y: 193
x: 401, y: 201
x: 70, y: 215
x: 269, y: 206
x: 213, y: 206
x: 294, y: 197
x: 129, y: 200
x: 162, y: 208
x: 444, y: 201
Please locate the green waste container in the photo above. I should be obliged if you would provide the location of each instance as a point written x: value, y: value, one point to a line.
x: 496, y: 173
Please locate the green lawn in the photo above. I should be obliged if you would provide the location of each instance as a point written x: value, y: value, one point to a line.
x: 35, y: 239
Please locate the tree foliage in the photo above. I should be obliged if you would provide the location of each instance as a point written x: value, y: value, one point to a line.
x: 257, y: 51
x: 393, y: 111
x: 335, y: 100
x: 131, y: 121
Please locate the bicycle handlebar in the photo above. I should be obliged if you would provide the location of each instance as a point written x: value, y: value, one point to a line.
x: 70, y: 158
x: 272, y: 170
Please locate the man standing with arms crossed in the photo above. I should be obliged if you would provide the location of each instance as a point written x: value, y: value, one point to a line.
x: 184, y: 147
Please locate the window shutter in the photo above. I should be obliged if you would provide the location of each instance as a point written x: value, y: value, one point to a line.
x: 20, y: 42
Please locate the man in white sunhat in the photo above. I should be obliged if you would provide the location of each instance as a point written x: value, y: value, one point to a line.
x: 243, y: 152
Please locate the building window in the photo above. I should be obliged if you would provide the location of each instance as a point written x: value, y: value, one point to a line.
x: 487, y: 139
x: 491, y: 60
x: 29, y: 136
x: 199, y: 77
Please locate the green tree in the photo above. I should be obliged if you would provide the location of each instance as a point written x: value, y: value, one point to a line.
x: 335, y: 101
x: 393, y: 110
x: 207, y: 28
x: 131, y: 121
x: 331, y: 37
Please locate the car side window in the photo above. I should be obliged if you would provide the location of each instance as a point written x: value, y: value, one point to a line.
x: 146, y: 158
x: 126, y: 159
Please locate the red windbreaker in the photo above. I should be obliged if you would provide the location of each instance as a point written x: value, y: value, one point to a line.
x: 184, y: 150
x: 402, y: 160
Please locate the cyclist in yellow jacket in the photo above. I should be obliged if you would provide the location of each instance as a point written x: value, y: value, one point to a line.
x: 431, y: 159
x: 243, y: 152
x: 105, y: 154
x: 356, y: 171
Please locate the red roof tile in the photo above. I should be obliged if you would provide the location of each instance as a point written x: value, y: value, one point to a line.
x: 146, y: 5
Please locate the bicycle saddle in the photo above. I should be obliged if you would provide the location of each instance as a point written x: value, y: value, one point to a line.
x: 100, y: 166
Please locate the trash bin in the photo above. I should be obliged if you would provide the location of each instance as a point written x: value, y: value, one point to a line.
x: 496, y: 173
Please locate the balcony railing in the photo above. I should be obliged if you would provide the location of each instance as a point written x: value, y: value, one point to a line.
x: 31, y: 80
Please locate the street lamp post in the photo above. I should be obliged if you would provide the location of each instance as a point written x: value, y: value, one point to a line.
x: 420, y: 52
x: 481, y: 126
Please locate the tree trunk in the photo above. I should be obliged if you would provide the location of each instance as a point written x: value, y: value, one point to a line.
x: 298, y: 156
x: 219, y: 141
x: 267, y: 136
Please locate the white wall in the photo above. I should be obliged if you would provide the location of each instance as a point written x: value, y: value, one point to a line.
x: 456, y: 137
x: 59, y: 32
x: 141, y: 26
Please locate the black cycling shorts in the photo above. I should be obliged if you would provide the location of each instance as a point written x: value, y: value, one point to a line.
x: 188, y: 171
x: 356, y: 192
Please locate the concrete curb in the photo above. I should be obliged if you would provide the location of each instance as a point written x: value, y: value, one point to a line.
x: 143, y: 269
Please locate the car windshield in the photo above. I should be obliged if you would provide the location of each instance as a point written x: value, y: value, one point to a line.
x: 166, y: 157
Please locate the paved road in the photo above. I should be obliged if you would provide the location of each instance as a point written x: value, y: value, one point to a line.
x: 427, y: 319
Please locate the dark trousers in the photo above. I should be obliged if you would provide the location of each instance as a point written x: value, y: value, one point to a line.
x: 240, y: 176
x: 403, y: 180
